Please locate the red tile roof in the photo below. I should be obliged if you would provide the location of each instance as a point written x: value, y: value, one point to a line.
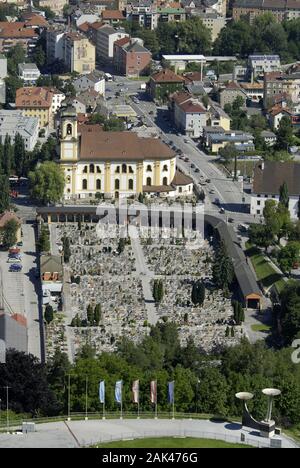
x: 112, y: 14
x: 167, y: 76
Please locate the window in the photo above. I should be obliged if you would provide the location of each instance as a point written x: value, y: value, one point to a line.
x: 258, y: 203
x: 117, y: 171
x: 92, y: 168
x: 84, y: 184
x: 257, y: 211
x: 68, y: 179
x: 98, y: 184
x: 149, y: 182
x: 149, y: 168
x: 98, y: 170
x: 69, y: 129
x: 85, y: 170
x: 165, y: 181
x: 124, y: 168
x: 165, y: 168
x: 117, y: 184
x: 130, y: 170
x: 180, y: 189
x: 130, y: 184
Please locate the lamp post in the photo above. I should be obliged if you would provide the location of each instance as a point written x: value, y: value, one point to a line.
x: 7, y: 407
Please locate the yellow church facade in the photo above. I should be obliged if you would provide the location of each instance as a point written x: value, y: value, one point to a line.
x: 115, y: 164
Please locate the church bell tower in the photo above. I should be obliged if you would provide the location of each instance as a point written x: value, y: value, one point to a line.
x: 68, y: 135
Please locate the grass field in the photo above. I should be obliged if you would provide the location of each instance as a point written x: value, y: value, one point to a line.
x: 264, y: 271
x: 171, y: 442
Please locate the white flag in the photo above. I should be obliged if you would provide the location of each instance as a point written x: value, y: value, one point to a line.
x: 136, y: 391
x: 153, y: 391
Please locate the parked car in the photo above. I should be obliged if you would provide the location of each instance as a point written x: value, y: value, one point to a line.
x: 230, y: 220
x: 193, y: 166
x: 208, y: 181
x: 16, y: 256
x: 222, y: 211
x: 197, y: 170
x: 15, y: 268
x: 13, y: 260
x: 186, y: 159
x: 20, y: 244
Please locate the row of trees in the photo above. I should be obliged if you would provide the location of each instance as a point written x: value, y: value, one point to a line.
x: 264, y: 35
x: 204, y: 384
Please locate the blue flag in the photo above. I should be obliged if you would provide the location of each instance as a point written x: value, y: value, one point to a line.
x: 171, y: 386
x: 102, y: 391
x: 118, y: 391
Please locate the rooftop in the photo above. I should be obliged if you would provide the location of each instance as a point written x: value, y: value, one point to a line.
x: 270, y: 175
x: 166, y: 76
x: 36, y: 97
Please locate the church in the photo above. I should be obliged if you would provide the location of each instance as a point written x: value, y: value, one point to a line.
x: 115, y: 164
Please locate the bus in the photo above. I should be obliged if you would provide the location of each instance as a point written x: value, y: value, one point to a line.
x: 108, y: 77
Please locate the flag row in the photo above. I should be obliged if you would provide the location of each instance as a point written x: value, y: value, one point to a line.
x: 136, y: 391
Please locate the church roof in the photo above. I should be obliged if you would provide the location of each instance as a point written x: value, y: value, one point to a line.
x: 123, y: 146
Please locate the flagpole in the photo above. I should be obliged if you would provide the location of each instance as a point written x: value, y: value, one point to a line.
x: 69, y: 397
x: 155, y: 399
x: 86, y: 398
x: 121, y: 417
x: 173, y: 401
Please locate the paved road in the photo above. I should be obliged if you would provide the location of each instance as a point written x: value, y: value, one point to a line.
x: 74, y: 434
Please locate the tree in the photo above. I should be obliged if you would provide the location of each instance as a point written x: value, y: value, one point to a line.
x: 49, y: 315
x: 15, y: 55
x: 66, y: 249
x: 198, y: 293
x: 284, y: 133
x: 10, y: 230
x: 8, y: 157
x: 223, y: 271
x: 97, y: 314
x: 284, y: 195
x: 90, y: 314
x: 39, y: 56
x: 158, y: 290
x: 44, y: 241
x: 290, y: 312
x: 150, y: 41
x: 4, y: 193
x: 20, y: 155
x: 47, y: 183
x: 261, y: 235
x: 289, y: 256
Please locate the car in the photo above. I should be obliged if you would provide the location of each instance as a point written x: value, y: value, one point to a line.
x: 13, y: 260
x: 197, y: 170
x: 15, y: 256
x: 212, y: 191
x: 208, y: 181
x: 193, y: 166
x: 15, y: 268
x: 151, y: 112
x: 230, y: 220
x: 20, y: 244
x: 186, y: 141
x: 222, y: 211
x: 186, y: 159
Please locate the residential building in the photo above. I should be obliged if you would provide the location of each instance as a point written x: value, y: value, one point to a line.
x: 51, y: 268
x: 280, y: 9
x: 35, y: 21
x: 170, y: 14
x: 163, y: 83
x: 217, y: 117
x: 106, y: 37
x: 79, y: 53
x: 56, y: 6
x: 36, y: 102
x: 213, y: 22
x: 2, y: 91
x: 112, y: 17
x: 258, y: 65
x: 94, y: 81
x: 130, y: 57
x: 144, y: 13
x: 231, y: 91
x: 211, y: 6
x: 269, y: 176
x: 55, y: 44
x: 3, y: 67
x: 87, y: 101
x: 277, y: 83
x: 254, y: 91
x: 29, y: 73
x: 15, y: 33
x: 277, y: 112
x: 189, y: 116
x: 116, y: 164
x: 269, y: 137
x: 58, y: 98
x: 13, y: 122
x: 215, y: 138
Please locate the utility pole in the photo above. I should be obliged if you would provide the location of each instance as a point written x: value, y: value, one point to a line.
x: 69, y: 397
x: 7, y: 408
x: 86, y: 398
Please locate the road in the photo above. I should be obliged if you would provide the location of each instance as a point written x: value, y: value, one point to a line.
x: 230, y: 194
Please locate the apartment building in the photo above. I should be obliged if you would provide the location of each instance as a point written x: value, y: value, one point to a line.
x: 280, y: 9
x: 36, y: 102
x: 130, y: 57
x: 79, y: 53
x: 13, y: 122
x: 106, y: 37
x: 12, y: 34
x: 28, y: 72
x: 189, y: 116
x: 56, y: 6
x: 279, y: 83
x: 213, y: 22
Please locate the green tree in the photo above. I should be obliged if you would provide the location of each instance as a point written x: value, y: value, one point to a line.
x: 289, y: 256
x: 9, y: 237
x: 8, y: 156
x: 47, y: 183
x: 261, y: 235
x: 284, y: 134
x: 4, y: 193
x: 198, y: 293
x: 90, y: 314
x: 66, y: 249
x: 284, y: 195
x: 223, y: 272
x: 158, y: 291
x: 44, y: 241
x: 97, y: 314
x: 39, y: 56
x: 290, y: 312
x: 49, y: 314
x: 20, y: 155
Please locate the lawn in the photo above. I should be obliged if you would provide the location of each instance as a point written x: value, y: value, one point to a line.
x: 264, y: 271
x: 171, y: 442
x: 260, y: 327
